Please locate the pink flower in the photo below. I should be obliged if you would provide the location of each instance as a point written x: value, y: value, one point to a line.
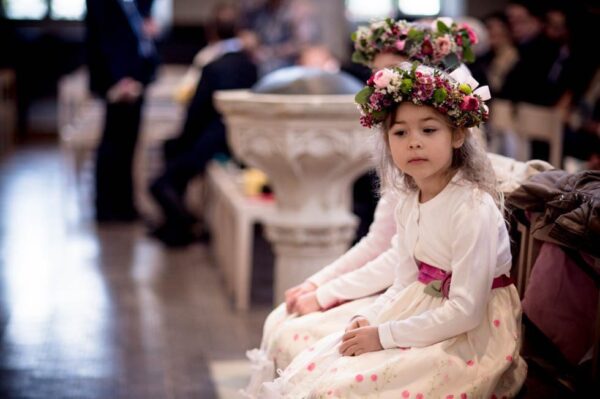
x: 329, y: 393
x: 405, y: 394
x: 472, y: 36
x: 469, y: 103
x: 419, y: 396
x: 509, y: 358
x: 311, y: 366
x: 359, y: 378
x: 443, y: 46
x: 373, y: 377
x: 306, y: 337
x: 463, y: 396
x: 382, y: 78
x: 296, y: 336
x: 470, y: 363
x: 400, y: 45
x: 497, y: 323
x: 450, y: 397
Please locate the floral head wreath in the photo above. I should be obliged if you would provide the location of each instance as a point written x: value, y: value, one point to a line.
x: 455, y: 95
x: 444, y: 44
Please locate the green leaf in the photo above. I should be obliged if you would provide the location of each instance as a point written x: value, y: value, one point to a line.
x: 359, y: 58
x: 468, y: 55
x: 442, y: 28
x: 379, y: 115
x: 416, y: 35
x: 353, y: 36
x: 362, y: 97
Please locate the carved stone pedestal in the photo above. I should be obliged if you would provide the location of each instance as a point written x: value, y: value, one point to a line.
x: 312, y: 147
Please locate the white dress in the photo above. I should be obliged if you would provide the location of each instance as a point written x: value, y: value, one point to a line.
x: 466, y: 346
x: 355, y: 275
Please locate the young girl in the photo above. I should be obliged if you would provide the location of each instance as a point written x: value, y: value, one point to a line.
x: 381, y: 44
x: 449, y: 327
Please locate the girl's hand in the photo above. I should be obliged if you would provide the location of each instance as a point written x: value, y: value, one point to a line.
x: 359, y: 341
x: 306, y: 303
x: 357, y: 322
x: 293, y: 293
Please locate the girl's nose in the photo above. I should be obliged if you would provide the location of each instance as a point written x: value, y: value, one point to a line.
x: 415, y: 145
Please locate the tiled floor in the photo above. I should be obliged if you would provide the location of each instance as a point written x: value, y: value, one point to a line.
x: 106, y: 312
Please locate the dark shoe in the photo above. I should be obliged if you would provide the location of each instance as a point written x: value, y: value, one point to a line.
x: 177, y: 236
x: 103, y: 216
x: 171, y: 203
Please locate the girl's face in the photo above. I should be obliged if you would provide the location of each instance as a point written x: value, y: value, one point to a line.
x: 422, y: 143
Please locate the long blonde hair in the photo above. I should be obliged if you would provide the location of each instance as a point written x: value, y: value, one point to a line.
x: 471, y: 159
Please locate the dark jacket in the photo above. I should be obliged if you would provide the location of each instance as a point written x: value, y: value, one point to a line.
x: 116, y: 45
x: 231, y: 71
x: 570, y: 207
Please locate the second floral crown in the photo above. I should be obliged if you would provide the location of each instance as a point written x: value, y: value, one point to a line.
x: 444, y: 44
x: 455, y: 95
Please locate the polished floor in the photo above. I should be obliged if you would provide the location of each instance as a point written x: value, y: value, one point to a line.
x: 89, y: 312
x: 108, y: 313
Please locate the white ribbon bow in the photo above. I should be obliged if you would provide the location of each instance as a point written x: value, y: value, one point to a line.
x: 463, y: 75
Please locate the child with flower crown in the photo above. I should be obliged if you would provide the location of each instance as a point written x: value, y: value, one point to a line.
x: 348, y: 281
x: 449, y: 327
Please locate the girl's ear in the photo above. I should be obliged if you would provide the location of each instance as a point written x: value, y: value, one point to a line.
x: 458, y: 138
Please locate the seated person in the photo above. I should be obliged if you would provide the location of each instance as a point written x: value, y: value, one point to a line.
x: 202, y: 136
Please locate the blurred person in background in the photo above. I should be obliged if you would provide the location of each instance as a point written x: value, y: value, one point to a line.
x: 502, y: 54
x: 281, y: 28
x: 122, y: 60
x: 203, y: 133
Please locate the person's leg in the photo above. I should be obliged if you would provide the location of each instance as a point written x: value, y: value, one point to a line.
x: 169, y: 189
x: 114, y: 162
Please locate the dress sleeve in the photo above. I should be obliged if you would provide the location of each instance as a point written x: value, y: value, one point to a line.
x: 372, y: 278
x: 370, y: 247
x: 474, y: 232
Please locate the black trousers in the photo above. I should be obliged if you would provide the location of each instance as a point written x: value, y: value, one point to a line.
x: 114, y: 161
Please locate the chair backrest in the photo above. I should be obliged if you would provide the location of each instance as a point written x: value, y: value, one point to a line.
x: 541, y: 123
x: 501, y: 115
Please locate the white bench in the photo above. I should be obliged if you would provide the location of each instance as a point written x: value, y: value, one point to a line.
x: 231, y: 216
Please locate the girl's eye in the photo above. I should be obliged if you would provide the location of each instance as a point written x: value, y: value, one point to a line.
x: 398, y: 133
x: 429, y: 130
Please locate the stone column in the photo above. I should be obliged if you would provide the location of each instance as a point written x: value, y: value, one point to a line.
x: 312, y: 147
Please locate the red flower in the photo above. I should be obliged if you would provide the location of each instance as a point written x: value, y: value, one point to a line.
x: 427, y: 47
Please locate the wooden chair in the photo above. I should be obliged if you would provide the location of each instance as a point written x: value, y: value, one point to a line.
x: 541, y: 123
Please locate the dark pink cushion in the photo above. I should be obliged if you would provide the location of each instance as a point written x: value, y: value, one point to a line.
x: 561, y: 300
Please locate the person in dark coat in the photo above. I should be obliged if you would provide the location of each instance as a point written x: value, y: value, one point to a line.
x: 202, y: 137
x: 122, y: 60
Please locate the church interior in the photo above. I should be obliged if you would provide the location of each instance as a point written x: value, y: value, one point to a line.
x: 170, y: 169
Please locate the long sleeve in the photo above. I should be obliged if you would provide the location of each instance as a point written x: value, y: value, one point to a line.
x: 404, y: 272
x: 374, y: 277
x: 474, y: 234
x: 376, y: 242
